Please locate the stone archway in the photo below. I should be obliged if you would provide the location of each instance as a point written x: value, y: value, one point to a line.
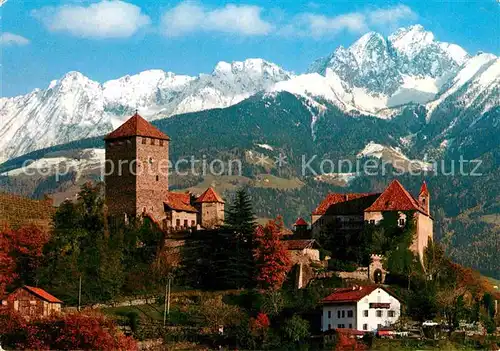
x: 378, y: 276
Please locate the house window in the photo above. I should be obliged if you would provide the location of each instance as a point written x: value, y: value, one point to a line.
x: 379, y: 326
x: 185, y: 223
x: 343, y: 314
x: 365, y: 313
x: 379, y: 313
x: 340, y: 326
x: 350, y: 326
x: 178, y: 222
x: 338, y: 314
x: 144, y: 140
x: 391, y: 313
x: 401, y: 221
x: 372, y: 221
x: 365, y: 326
x: 349, y: 313
x: 192, y: 223
x: 161, y: 142
x: 152, y: 141
x: 329, y: 314
x: 329, y: 326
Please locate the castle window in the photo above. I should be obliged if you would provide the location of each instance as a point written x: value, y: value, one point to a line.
x: 150, y: 161
x: 144, y: 140
x: 401, y: 221
x: 157, y: 178
x: 152, y: 141
x: 423, y: 200
x: 177, y: 222
x: 161, y: 142
x: 185, y: 223
x: 192, y: 223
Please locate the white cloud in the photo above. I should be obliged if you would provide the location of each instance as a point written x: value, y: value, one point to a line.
x: 189, y: 17
x: 392, y: 15
x: 319, y: 25
x: 105, y: 19
x: 316, y: 25
x: 12, y: 39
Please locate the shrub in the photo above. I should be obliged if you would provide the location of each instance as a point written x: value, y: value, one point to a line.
x: 343, y: 266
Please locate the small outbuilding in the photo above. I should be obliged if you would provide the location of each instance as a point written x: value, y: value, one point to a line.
x: 32, y: 302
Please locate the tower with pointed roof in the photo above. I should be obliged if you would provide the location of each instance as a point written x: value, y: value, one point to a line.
x: 424, y: 197
x: 210, y: 208
x: 136, y: 169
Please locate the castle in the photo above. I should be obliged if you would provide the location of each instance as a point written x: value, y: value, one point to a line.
x: 350, y: 212
x: 136, y: 178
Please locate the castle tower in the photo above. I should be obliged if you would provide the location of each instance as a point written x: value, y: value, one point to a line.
x: 424, y: 197
x: 210, y: 208
x: 136, y: 169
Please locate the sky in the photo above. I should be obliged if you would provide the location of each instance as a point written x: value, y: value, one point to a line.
x: 41, y: 40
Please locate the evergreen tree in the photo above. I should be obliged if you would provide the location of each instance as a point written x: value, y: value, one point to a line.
x: 238, y: 231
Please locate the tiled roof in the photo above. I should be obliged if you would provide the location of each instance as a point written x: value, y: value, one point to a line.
x: 353, y: 294
x: 136, y: 126
x: 42, y: 294
x: 210, y: 195
x: 300, y: 221
x: 396, y: 198
x: 334, y: 199
x: 299, y: 244
x: 179, y: 202
x: 423, y: 189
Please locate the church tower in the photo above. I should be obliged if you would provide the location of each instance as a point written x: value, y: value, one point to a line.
x: 424, y: 198
x: 136, y: 170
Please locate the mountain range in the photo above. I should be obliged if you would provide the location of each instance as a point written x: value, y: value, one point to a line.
x: 407, y: 98
x: 375, y: 76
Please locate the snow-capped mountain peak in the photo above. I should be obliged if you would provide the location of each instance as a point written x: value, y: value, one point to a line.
x: 75, y: 106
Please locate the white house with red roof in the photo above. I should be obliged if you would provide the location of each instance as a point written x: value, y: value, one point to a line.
x: 136, y: 179
x: 363, y: 308
x: 351, y: 212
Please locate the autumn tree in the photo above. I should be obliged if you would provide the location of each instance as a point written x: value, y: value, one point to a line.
x: 72, y: 331
x: 272, y: 259
x: 21, y: 253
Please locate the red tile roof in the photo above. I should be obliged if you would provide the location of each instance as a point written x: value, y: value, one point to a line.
x: 423, y: 189
x: 354, y: 294
x: 136, y: 126
x: 299, y: 244
x: 179, y: 202
x: 300, y: 222
x: 348, y: 295
x: 42, y: 294
x: 335, y: 198
x: 396, y: 198
x: 210, y: 195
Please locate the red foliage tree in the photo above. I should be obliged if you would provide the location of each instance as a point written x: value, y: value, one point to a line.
x: 346, y: 342
x: 7, y: 262
x: 259, y: 325
x: 82, y: 331
x: 272, y: 259
x: 21, y: 252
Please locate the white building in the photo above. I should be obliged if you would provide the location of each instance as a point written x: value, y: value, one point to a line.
x: 364, y: 308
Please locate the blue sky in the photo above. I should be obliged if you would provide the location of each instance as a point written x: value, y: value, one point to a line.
x: 42, y: 40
